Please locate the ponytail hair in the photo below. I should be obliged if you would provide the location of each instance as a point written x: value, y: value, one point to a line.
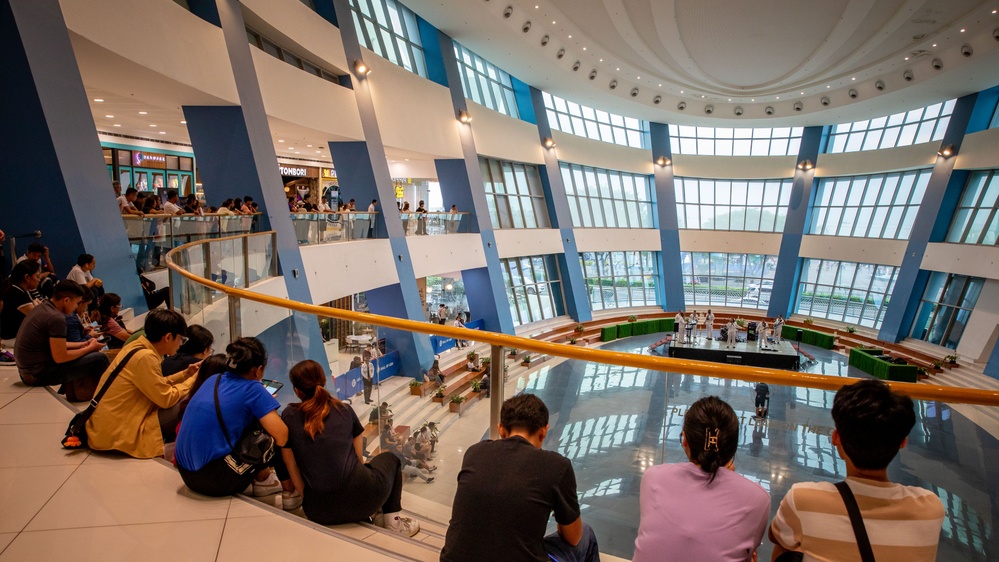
x: 712, y: 431
x: 245, y: 354
x: 309, y: 379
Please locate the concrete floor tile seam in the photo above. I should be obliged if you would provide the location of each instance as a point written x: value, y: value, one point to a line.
x: 55, y: 492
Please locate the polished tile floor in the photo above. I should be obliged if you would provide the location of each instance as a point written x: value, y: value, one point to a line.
x: 614, y: 422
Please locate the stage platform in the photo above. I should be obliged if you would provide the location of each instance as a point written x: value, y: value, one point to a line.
x: 783, y: 355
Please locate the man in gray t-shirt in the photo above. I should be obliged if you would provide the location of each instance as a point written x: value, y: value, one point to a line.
x: 43, y: 355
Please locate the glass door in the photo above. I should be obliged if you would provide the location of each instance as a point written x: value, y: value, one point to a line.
x: 125, y: 177
x: 142, y: 180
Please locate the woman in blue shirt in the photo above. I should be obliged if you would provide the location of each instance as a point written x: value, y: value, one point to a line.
x: 203, y: 452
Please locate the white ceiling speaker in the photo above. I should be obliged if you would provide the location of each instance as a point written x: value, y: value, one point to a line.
x: 634, y: 92
x: 824, y: 100
x: 798, y: 106
x: 544, y: 41
x: 657, y: 100
x: 738, y: 110
x: 966, y: 50
x: 769, y: 110
x: 907, y: 76
x: 560, y: 54
x: 613, y: 84
x: 526, y: 27
x: 709, y: 109
x: 937, y: 64
x: 880, y: 85
x: 575, y: 66
x: 508, y: 11
x: 593, y: 74
x: 853, y: 93
x: 681, y: 106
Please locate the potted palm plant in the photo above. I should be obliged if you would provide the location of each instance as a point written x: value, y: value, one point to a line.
x: 439, y: 394
x: 457, y: 404
x: 416, y: 387
x: 526, y: 361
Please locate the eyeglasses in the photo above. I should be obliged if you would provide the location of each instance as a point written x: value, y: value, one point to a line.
x: 183, y: 339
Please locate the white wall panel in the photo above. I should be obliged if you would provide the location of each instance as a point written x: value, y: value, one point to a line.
x: 413, y: 113
x: 860, y: 250
x: 434, y: 255
x: 978, y: 261
x: 618, y: 239
x: 512, y: 243
x: 159, y: 36
x: 730, y: 242
x: 303, y: 31
x: 980, y: 333
x: 338, y: 270
x: 292, y: 95
x: 876, y: 161
x: 589, y: 152
x: 734, y: 167
x: 507, y: 138
x: 978, y: 151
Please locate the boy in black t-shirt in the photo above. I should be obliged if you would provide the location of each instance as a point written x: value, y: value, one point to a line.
x: 517, y: 485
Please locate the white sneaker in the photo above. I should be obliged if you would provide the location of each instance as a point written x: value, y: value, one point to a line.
x: 291, y: 500
x: 378, y: 519
x: 269, y: 486
x: 402, y: 525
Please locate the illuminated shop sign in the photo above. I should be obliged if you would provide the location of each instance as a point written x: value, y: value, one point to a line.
x: 148, y: 160
x: 296, y: 172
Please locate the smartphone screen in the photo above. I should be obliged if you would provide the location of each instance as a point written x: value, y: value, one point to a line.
x: 272, y: 386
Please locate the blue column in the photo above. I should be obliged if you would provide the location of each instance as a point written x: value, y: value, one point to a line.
x: 941, y: 193
x: 992, y: 367
x: 573, y: 284
x: 670, y: 264
x: 525, y: 106
x: 55, y: 179
x: 363, y: 169
x: 799, y: 212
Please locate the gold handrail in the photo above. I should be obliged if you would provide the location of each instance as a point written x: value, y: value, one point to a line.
x: 686, y: 366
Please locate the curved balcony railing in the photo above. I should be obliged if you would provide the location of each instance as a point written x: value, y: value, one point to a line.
x: 642, y: 426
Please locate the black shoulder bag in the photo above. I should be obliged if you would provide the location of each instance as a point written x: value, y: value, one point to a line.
x: 859, y: 531
x: 255, y: 447
x: 76, y: 433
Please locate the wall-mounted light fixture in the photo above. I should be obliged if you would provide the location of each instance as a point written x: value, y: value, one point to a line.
x: 663, y: 161
x: 805, y: 165
x: 361, y: 68
x: 946, y: 151
x: 549, y: 142
x: 464, y: 116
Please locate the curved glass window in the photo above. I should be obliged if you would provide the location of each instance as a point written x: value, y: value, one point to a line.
x: 855, y: 293
x: 607, y: 198
x: 920, y: 125
x: 742, y: 141
x: 390, y: 30
x: 577, y: 119
x: 720, y: 279
x: 620, y: 279
x: 753, y: 205
x: 533, y: 288
x: 976, y: 220
x: 514, y: 194
x: 874, y: 206
x: 946, y: 307
x: 485, y: 83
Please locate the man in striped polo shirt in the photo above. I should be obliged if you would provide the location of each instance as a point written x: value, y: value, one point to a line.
x: 902, y: 522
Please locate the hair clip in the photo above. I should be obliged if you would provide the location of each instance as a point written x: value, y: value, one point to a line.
x: 711, y: 440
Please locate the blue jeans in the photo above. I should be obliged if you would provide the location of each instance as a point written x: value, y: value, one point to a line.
x: 585, y: 551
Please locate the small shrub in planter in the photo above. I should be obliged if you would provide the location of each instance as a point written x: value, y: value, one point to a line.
x: 486, y: 361
x: 632, y: 318
x: 526, y: 360
x: 439, y: 393
x: 952, y: 359
x: 457, y: 399
x: 476, y: 386
x: 513, y: 351
x: 471, y: 355
x: 572, y: 341
x: 851, y: 329
x: 415, y: 383
x: 740, y: 322
x: 808, y: 321
x: 579, y: 328
x: 938, y: 364
x: 456, y: 404
x: 416, y: 387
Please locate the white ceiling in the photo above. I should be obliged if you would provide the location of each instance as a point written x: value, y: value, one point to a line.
x: 726, y: 53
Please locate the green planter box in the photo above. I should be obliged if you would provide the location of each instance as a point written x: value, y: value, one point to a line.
x: 864, y: 359
x: 608, y: 333
x: 624, y: 330
x: 811, y: 337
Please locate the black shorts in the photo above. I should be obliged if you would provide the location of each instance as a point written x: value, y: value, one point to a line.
x: 761, y: 401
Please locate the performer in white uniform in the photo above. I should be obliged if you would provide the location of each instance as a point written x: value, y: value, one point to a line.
x: 681, y: 325
x: 732, y: 328
x: 779, y: 328
x: 710, y: 320
x: 699, y: 321
x: 761, y: 335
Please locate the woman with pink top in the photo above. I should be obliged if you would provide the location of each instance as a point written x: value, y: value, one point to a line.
x: 731, y: 514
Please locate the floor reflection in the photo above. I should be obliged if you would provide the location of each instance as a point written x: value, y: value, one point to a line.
x: 615, y: 422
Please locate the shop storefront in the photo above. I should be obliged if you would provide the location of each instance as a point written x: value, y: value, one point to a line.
x: 148, y: 170
x: 300, y: 182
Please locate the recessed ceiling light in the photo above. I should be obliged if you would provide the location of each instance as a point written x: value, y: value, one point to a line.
x: 854, y: 78
x: 962, y: 30
x: 660, y: 85
x: 681, y: 91
x: 98, y: 100
x: 570, y: 37
x: 994, y: 11
x: 729, y: 99
x: 407, y: 159
x: 778, y: 97
x: 601, y: 60
x: 183, y: 122
x: 639, y: 78
x: 906, y: 58
x: 117, y: 125
x: 828, y: 86
x: 162, y: 132
x: 584, y: 48
x: 553, y: 22
x: 152, y: 125
x: 702, y: 95
x: 535, y: 7
x: 934, y: 44
x: 309, y: 145
x: 802, y: 93
x: 282, y: 140
x: 143, y: 113
x: 318, y: 151
x: 619, y: 68
x: 754, y: 99
x: 109, y: 116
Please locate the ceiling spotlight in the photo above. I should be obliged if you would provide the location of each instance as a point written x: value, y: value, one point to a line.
x: 575, y: 66
x: 663, y: 161
x: 936, y: 63
x: 879, y: 85
x: 593, y: 74
x: 853, y: 93
x: 143, y: 113
x: 361, y: 68
x: 738, y: 110
x: 162, y: 132
x: 681, y: 106
x: 526, y: 27
x: 109, y: 116
x: 464, y: 116
x: 117, y: 125
x: 657, y: 100
x: 560, y: 54
x: 549, y: 142
x: 544, y: 40
x: 282, y: 140
x: 805, y: 165
x: 634, y: 92
x: 99, y: 100
x: 613, y: 84
x: 508, y: 11
x: 824, y: 100
x: 183, y: 122
x: 946, y: 151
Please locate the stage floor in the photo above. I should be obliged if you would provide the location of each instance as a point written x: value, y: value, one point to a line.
x: 778, y: 355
